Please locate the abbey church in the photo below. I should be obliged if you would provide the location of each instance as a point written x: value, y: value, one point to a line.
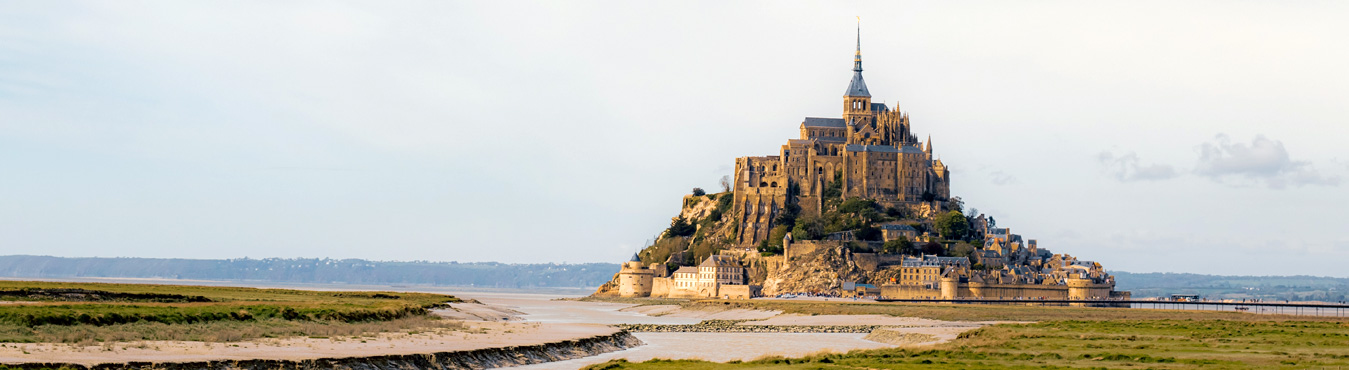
x: 871, y: 152
x: 868, y: 157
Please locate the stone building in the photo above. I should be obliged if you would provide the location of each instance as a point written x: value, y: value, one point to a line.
x: 1011, y: 268
x: 895, y: 231
x: 717, y: 276
x: 634, y: 280
x: 871, y: 152
x: 926, y: 271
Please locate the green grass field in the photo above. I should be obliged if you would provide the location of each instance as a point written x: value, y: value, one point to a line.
x: 84, y: 312
x: 1067, y: 337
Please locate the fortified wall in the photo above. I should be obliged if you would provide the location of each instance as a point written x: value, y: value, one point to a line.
x: 958, y: 288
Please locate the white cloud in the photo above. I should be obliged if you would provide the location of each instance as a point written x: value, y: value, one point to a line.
x: 1127, y: 168
x: 1002, y: 178
x: 1263, y: 160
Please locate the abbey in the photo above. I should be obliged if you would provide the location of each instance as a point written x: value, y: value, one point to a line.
x: 863, y: 203
x: 870, y: 152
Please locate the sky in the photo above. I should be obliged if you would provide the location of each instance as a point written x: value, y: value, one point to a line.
x: 1150, y: 136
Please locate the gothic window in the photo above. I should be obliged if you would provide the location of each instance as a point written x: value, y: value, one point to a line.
x: 774, y: 184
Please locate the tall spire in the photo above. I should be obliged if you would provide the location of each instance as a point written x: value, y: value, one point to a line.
x: 857, y: 58
x: 858, y: 87
x: 929, y: 145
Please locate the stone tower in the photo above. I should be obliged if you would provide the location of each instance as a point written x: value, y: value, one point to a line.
x: 857, y: 100
x: 634, y: 280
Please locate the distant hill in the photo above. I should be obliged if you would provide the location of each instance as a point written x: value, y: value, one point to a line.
x: 317, y: 271
x: 1291, y: 288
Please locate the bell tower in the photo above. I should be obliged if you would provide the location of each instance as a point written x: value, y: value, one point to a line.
x: 857, y: 100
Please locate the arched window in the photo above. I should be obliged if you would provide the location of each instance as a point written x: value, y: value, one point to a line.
x: 774, y: 184
x: 763, y: 184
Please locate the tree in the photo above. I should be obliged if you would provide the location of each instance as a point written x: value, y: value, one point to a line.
x: 952, y: 225
x: 894, y: 212
x: 808, y: 228
x: 934, y: 248
x: 698, y: 192
x: 773, y: 245
x: 955, y: 204
x: 962, y: 250
x: 834, y: 189
x: 897, y: 246
x: 725, y: 183
x: 787, y: 216
x: 681, y: 227
x: 868, y: 233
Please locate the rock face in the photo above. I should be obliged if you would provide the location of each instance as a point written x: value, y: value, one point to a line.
x: 821, y: 271
x: 486, y: 358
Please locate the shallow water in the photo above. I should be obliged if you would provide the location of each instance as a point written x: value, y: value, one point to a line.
x: 543, y: 308
x: 707, y: 346
x: 721, y: 347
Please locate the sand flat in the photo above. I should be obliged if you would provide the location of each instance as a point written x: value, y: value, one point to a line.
x: 721, y: 347
x: 701, y: 314
x: 478, y: 335
x: 798, y: 319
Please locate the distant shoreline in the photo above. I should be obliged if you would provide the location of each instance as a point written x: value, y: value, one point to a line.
x: 306, y: 286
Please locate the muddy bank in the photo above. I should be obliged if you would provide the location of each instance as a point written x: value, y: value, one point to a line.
x: 484, y: 358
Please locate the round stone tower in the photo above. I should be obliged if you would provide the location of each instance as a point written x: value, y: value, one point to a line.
x: 634, y: 280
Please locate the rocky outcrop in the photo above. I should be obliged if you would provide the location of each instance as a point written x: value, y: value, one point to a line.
x: 821, y: 271
x: 472, y: 359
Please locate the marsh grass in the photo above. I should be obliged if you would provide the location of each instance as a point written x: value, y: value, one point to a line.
x: 1064, y: 337
x: 223, y: 331
x: 140, y: 312
x: 1122, y: 344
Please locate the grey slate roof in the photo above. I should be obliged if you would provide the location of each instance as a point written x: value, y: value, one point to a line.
x: 932, y: 260
x: 872, y: 148
x: 882, y: 149
x: 718, y: 261
x: 634, y: 258
x: 857, y: 87
x: 824, y: 122
x: 879, y: 107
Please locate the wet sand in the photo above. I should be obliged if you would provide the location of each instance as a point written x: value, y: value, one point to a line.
x: 476, y: 336
x: 722, y: 347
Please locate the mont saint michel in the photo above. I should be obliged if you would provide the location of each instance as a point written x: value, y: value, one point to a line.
x: 856, y: 206
x: 620, y: 185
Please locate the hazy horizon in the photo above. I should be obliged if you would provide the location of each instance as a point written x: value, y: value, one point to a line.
x: 1197, y: 137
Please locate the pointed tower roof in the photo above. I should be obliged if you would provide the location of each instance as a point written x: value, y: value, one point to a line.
x: 858, y: 86
x: 928, y: 145
x: 634, y: 258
